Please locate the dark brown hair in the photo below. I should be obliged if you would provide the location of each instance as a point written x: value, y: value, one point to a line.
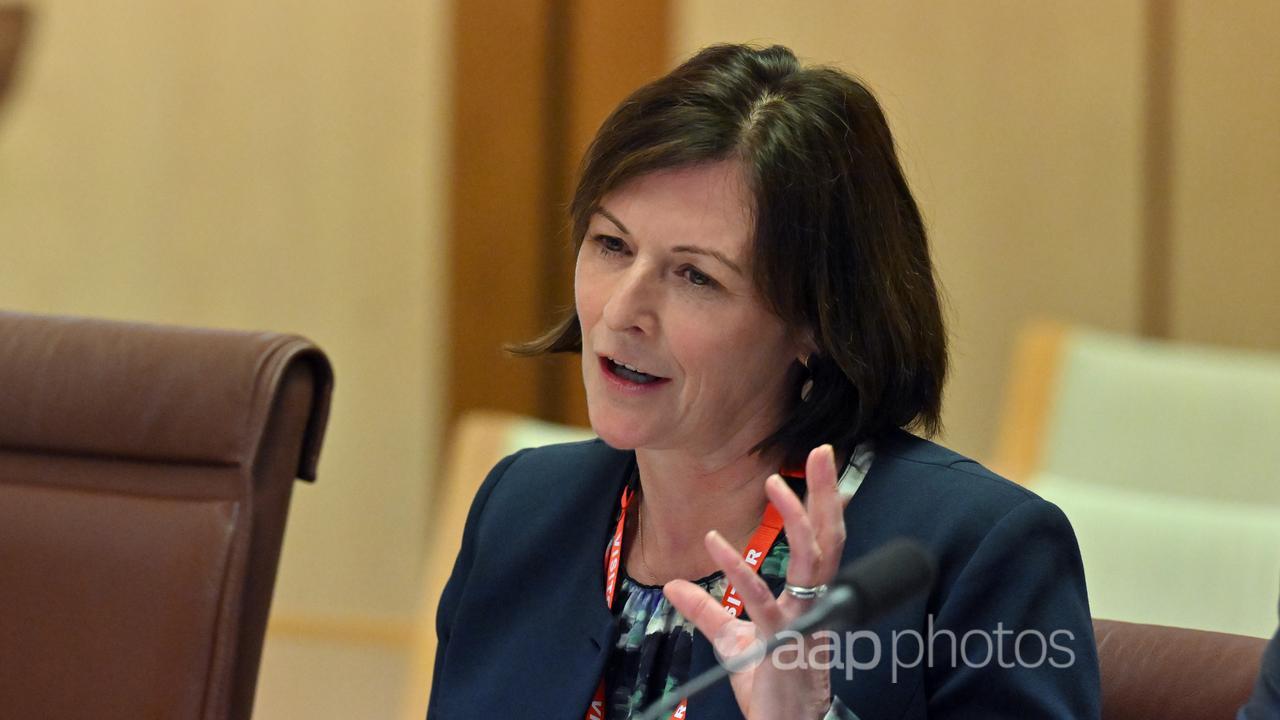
x: 839, y: 250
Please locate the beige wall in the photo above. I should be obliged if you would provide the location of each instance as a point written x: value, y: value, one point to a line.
x: 272, y: 165
x: 1226, y: 174
x: 1022, y: 129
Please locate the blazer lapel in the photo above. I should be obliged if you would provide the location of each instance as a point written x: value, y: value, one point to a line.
x: 575, y: 631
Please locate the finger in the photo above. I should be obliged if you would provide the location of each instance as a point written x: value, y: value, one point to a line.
x: 806, y: 556
x: 823, y: 502
x: 698, y: 607
x: 756, y: 596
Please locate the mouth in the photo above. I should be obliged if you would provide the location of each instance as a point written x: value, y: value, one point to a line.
x: 628, y: 373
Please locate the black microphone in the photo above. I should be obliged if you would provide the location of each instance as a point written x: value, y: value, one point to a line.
x: 863, y: 590
x: 872, y: 585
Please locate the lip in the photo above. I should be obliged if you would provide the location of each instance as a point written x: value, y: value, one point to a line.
x: 626, y: 386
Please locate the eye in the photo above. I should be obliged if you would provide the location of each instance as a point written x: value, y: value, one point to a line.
x: 697, y: 277
x: 609, y: 245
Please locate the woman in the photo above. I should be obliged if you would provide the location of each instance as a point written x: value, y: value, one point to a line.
x: 757, y: 316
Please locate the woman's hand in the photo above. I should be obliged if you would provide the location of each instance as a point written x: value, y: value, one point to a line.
x: 815, y: 533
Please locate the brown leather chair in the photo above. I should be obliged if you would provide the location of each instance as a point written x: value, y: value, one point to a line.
x: 1158, y: 672
x: 145, y: 476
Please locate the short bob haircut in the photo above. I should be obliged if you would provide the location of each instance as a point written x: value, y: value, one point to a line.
x: 839, y: 250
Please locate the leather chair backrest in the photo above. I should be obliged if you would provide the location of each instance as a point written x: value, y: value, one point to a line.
x: 1157, y: 672
x: 145, y: 476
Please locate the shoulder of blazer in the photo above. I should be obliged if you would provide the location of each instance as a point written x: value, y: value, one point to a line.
x: 913, y: 472
x: 560, y: 476
x: 550, y: 496
x: 951, y: 503
x: 984, y: 532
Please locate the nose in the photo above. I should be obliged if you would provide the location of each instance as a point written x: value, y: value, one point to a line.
x: 630, y: 307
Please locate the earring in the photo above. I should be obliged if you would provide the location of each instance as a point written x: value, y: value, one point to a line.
x: 807, y: 386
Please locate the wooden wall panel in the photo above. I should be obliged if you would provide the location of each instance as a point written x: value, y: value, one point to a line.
x: 1157, y: 169
x: 534, y: 79
x: 13, y: 26
x: 499, y: 214
x: 614, y: 48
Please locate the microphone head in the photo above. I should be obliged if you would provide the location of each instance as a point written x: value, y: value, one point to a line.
x: 885, y: 577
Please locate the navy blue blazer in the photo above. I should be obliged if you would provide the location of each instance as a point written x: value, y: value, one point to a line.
x: 1265, y: 703
x: 524, y: 631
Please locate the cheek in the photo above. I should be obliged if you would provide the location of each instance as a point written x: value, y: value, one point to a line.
x: 720, y: 356
x: 585, y: 294
x: 748, y: 361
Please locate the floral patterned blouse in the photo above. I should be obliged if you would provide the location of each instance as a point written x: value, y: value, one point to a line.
x: 655, y: 643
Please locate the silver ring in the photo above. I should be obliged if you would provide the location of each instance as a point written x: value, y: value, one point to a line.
x: 806, y: 593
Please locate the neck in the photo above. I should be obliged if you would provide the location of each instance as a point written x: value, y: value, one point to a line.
x: 682, y: 498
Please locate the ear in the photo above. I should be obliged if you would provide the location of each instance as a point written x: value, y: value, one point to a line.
x: 805, y: 346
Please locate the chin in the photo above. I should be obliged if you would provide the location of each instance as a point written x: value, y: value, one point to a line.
x: 615, y: 443
x: 618, y: 432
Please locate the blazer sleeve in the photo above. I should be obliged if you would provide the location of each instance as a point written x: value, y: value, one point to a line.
x: 447, y: 609
x: 1265, y: 703
x: 1021, y: 602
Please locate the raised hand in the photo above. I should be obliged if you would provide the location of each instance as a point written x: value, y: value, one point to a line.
x: 816, y: 533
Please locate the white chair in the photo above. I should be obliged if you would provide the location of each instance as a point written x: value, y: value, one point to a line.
x: 1166, y: 457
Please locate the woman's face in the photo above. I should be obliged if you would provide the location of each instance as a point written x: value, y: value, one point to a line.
x: 678, y: 349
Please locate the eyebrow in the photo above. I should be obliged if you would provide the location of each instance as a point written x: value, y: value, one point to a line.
x: 692, y: 249
x: 609, y: 216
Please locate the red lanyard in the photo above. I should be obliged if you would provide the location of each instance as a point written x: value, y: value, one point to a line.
x: 757, y: 548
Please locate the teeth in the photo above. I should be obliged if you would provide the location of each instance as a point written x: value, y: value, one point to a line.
x: 632, y: 374
x: 632, y: 369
